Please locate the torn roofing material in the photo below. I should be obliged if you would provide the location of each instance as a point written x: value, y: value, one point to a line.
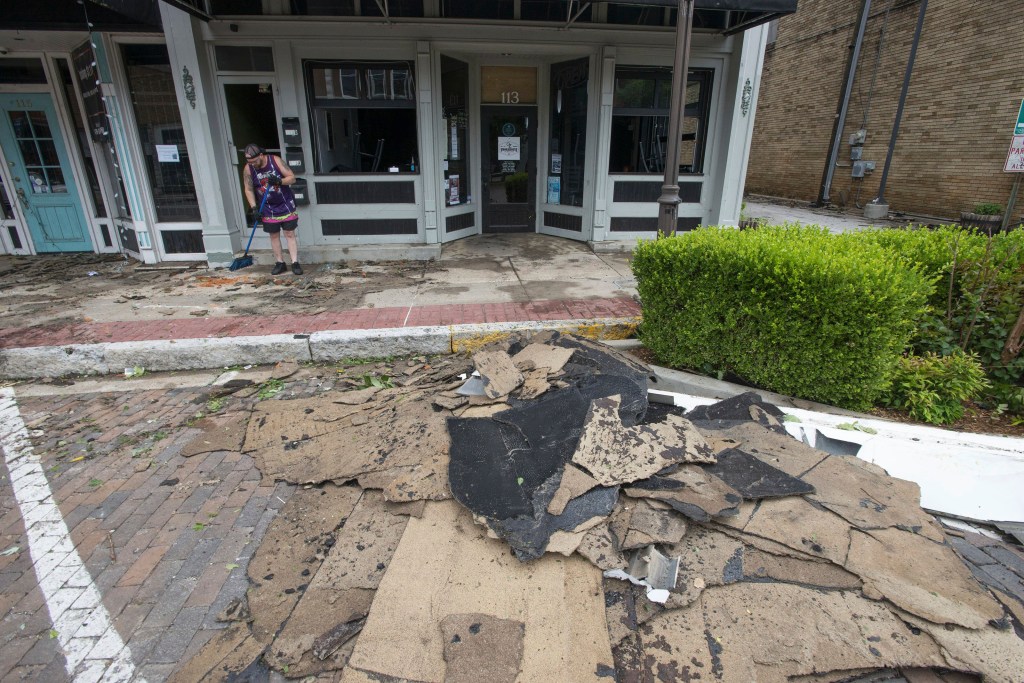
x: 836, y: 573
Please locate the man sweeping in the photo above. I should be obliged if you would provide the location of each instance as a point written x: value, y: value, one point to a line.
x: 266, y: 174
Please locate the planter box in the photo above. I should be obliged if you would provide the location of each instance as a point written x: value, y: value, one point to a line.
x: 989, y: 225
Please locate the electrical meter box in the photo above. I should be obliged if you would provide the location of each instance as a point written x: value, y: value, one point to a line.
x: 862, y: 167
x: 855, y: 153
x: 858, y: 137
x: 291, y: 131
x: 293, y: 157
x: 301, y: 192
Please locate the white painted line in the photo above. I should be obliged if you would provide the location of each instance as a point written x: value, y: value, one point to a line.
x: 93, y: 650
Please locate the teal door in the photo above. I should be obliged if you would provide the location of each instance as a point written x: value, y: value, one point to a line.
x: 43, y: 185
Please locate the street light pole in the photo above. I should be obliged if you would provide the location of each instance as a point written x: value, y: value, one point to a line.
x: 669, y: 199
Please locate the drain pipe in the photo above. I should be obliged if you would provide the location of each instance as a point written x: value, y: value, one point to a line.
x: 844, y: 104
x: 877, y: 207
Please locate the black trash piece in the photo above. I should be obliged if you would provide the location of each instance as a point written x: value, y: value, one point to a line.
x: 754, y: 479
x: 736, y: 410
x: 528, y: 536
x: 498, y: 463
x: 835, y: 446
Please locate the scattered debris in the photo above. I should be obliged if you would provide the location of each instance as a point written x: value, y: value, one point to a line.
x: 646, y: 543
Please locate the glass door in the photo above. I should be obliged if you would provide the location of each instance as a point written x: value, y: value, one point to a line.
x: 43, y: 184
x: 508, y: 151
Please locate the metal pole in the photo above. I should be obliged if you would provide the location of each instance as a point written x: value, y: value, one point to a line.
x: 843, y: 106
x: 880, y: 199
x: 1011, y: 203
x: 669, y: 199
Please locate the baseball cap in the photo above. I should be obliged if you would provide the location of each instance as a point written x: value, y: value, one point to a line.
x: 253, y: 150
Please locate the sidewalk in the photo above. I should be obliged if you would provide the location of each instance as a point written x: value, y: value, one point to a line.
x: 85, y: 313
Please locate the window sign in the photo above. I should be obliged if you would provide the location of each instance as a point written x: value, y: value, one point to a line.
x: 554, y: 189
x: 88, y: 82
x: 556, y: 164
x: 508, y: 149
x: 167, y: 154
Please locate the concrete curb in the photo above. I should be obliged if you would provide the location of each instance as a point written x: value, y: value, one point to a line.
x: 322, y: 347
x: 681, y: 382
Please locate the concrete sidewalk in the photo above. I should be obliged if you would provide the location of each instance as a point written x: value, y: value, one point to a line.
x: 86, y: 314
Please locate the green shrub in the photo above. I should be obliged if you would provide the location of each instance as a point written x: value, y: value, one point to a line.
x: 978, y: 296
x: 933, y: 388
x: 988, y: 209
x: 786, y: 308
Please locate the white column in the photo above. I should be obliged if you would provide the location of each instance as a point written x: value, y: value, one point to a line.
x: 194, y: 85
x: 606, y: 76
x: 427, y: 163
x: 741, y: 129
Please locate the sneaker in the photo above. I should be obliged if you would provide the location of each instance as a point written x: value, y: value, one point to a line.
x: 279, y: 268
x: 296, y: 268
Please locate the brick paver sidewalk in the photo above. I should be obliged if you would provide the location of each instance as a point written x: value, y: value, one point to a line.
x: 358, y: 319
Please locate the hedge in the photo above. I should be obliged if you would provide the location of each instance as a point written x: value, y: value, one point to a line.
x: 787, y: 308
x: 978, y: 296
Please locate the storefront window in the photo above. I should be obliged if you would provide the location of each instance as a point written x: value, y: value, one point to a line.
x: 640, y: 120
x: 455, y: 94
x: 161, y: 134
x: 363, y: 116
x: 567, y: 150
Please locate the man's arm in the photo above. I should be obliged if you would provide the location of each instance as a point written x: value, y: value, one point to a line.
x: 287, y: 175
x: 250, y: 195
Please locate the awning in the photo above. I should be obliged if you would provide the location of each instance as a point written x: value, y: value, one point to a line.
x: 726, y: 16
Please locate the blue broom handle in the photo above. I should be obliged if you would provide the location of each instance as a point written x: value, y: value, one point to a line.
x: 259, y: 214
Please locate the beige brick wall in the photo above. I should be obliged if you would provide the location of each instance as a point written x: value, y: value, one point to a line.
x: 967, y: 85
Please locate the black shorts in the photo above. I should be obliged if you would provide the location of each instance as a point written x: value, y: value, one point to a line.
x: 287, y: 226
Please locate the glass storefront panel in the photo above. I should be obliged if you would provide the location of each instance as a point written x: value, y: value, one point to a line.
x: 455, y: 95
x: 165, y: 152
x: 568, y: 145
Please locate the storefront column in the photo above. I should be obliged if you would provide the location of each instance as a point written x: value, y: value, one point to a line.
x: 133, y: 234
x: 194, y: 86
x: 604, y: 134
x: 747, y: 81
x: 428, y: 163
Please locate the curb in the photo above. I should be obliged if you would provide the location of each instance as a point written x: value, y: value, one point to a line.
x: 321, y: 347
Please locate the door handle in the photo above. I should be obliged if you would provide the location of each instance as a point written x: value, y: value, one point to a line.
x: 21, y: 195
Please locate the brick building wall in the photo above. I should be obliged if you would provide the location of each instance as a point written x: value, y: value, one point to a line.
x: 966, y: 87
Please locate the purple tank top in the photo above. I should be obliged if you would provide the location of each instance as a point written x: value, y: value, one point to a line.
x: 280, y: 206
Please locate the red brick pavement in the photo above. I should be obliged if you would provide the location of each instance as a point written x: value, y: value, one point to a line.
x: 165, y: 539
x: 369, y: 318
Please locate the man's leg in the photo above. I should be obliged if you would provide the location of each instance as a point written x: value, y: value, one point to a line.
x: 293, y: 245
x: 275, y: 244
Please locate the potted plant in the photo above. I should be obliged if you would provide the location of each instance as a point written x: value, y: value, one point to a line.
x: 986, y: 218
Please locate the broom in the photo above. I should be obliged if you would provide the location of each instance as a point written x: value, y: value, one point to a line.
x: 244, y: 261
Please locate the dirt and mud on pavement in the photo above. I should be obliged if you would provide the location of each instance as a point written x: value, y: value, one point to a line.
x: 75, y: 288
x: 540, y: 520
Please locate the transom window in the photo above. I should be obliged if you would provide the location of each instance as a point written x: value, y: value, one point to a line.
x: 363, y: 116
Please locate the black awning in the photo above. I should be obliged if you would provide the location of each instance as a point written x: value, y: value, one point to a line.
x: 773, y: 6
x: 69, y: 15
x: 726, y: 16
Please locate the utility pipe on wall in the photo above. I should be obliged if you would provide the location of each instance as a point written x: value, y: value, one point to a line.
x: 880, y: 199
x: 843, y: 106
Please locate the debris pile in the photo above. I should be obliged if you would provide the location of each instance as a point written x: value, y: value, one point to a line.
x: 592, y: 536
